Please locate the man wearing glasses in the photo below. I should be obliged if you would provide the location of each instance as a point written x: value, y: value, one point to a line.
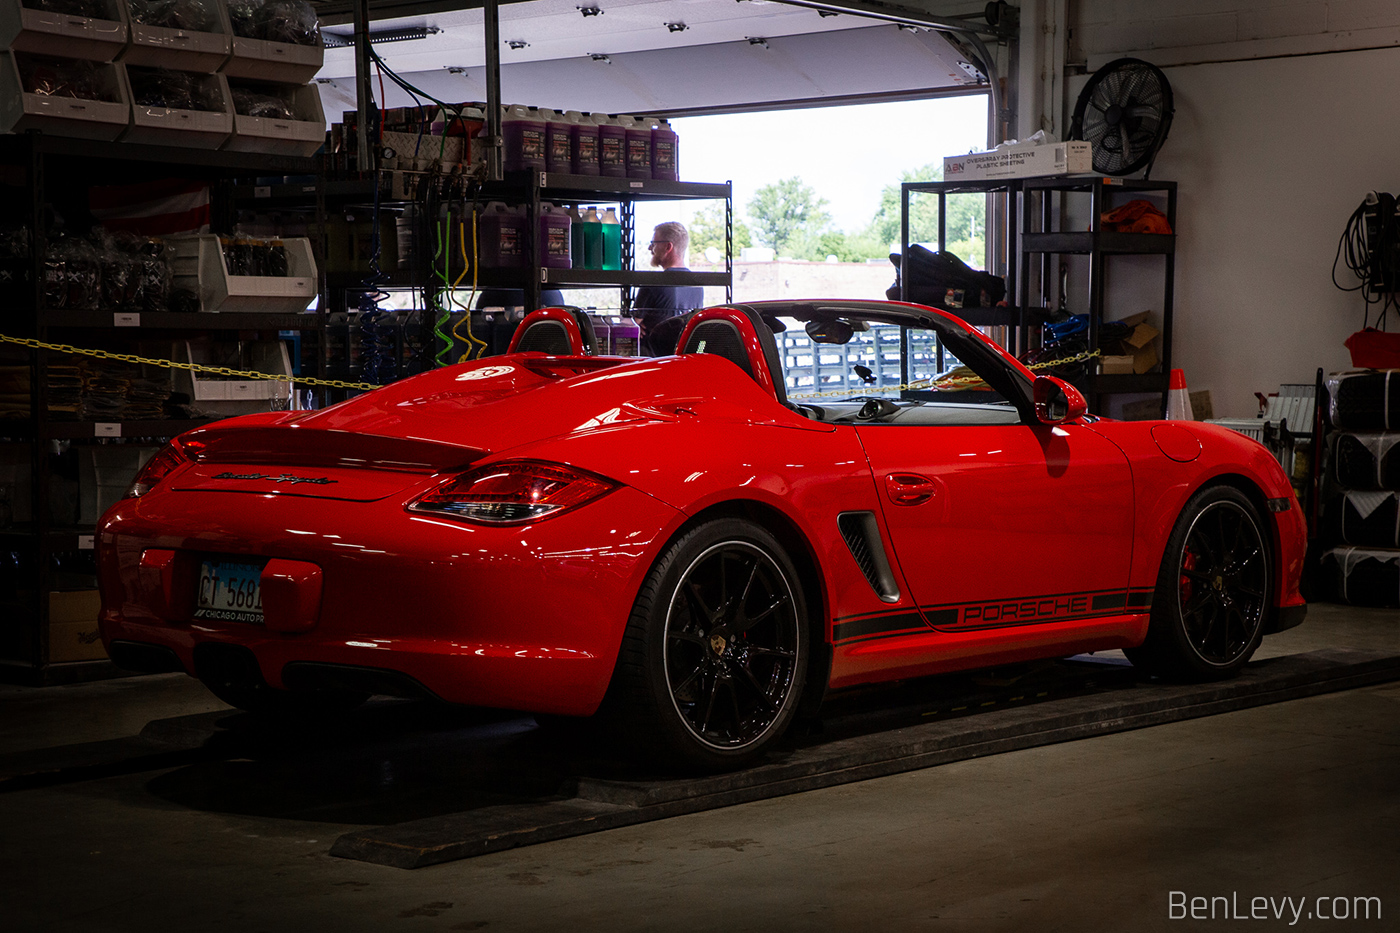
x: 655, y: 304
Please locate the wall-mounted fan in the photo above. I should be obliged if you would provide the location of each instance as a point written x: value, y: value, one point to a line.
x: 1125, y: 111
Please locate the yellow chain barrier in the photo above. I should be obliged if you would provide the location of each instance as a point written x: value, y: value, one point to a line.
x: 34, y: 344
x: 950, y: 382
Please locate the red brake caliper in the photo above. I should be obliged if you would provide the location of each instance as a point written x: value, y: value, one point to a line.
x: 1188, y: 562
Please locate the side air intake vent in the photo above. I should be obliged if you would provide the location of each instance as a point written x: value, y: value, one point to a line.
x: 862, y: 535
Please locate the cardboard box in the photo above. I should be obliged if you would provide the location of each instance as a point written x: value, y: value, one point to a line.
x: 73, y: 630
x: 1023, y: 160
x: 1136, y: 353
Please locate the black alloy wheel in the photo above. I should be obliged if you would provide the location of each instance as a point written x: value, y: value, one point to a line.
x: 715, y: 656
x: 1213, y: 589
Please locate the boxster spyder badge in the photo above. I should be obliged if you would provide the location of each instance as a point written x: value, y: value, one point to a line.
x: 279, y: 478
x: 694, y: 547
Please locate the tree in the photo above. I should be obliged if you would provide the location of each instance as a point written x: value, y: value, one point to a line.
x: 966, y: 221
x: 783, y: 210
x: 846, y: 247
x: 707, y: 230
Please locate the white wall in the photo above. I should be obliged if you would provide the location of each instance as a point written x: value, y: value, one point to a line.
x: 1272, y: 155
x: 1185, y: 31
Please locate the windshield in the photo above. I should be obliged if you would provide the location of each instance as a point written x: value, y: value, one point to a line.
x: 871, y: 364
x: 850, y: 362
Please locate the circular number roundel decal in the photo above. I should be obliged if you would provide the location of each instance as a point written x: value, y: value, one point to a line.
x: 486, y: 372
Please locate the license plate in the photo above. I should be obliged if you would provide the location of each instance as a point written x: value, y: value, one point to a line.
x: 229, y: 592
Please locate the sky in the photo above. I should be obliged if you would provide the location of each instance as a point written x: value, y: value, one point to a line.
x: 847, y: 154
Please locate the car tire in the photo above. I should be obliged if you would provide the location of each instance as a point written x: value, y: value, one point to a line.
x: 1213, y: 590
x: 715, y: 655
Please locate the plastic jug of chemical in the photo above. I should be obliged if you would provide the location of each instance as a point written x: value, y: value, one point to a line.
x: 524, y: 131
x: 575, y: 236
x: 558, y: 142
x: 638, y: 130
x: 602, y: 332
x: 591, y: 236
x: 665, y: 152
x: 626, y: 336
x: 612, y: 146
x: 612, y: 240
x: 585, y: 139
x: 501, y: 237
x: 554, y: 237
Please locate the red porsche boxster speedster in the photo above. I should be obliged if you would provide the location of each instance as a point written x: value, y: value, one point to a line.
x: 808, y: 495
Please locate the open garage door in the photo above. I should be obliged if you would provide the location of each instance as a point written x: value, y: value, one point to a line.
x: 656, y: 56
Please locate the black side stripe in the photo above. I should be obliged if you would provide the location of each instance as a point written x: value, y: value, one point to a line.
x: 878, y: 626
x: 1110, y: 601
x: 979, y: 616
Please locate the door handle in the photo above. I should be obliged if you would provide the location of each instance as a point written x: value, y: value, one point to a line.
x: 909, y: 488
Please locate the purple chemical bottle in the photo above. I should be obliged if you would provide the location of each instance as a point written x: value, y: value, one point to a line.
x: 612, y: 147
x: 585, y: 133
x: 554, y: 228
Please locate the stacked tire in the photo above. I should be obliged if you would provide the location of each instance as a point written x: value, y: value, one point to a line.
x: 1361, y: 517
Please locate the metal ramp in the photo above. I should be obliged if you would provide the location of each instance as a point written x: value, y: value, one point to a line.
x: 417, y: 784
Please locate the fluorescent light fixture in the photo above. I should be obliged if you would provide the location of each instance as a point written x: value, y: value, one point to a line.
x: 337, y: 40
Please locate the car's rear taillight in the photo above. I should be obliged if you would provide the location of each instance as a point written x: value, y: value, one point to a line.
x: 507, y: 493
x: 157, y: 468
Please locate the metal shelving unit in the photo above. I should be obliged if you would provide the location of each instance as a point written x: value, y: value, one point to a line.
x: 1002, y: 221
x: 535, y: 187
x: 1043, y: 236
x: 58, y: 172
x: 531, y: 189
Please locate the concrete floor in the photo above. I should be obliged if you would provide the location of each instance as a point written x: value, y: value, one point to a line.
x: 1298, y: 799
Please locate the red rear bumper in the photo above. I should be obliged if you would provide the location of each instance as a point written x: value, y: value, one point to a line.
x: 527, y: 617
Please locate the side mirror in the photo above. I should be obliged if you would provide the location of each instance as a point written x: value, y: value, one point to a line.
x: 1056, y: 401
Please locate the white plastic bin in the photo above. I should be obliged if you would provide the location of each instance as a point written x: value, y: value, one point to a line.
x: 274, y: 61
x: 261, y: 50
x: 228, y: 396
x: 22, y: 110
x: 198, y: 265
x: 104, y: 473
x: 181, y: 49
x: 299, y: 137
x: 97, y: 38
x: 175, y: 126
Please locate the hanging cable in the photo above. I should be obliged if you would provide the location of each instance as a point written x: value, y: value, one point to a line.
x: 455, y: 110
x: 441, y: 301
x: 1354, y: 249
x: 376, y: 349
x: 476, y: 346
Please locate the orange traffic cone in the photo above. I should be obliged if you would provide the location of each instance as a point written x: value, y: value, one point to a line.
x: 1178, y: 400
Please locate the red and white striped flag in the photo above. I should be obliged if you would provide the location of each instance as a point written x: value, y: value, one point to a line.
x: 153, y: 208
